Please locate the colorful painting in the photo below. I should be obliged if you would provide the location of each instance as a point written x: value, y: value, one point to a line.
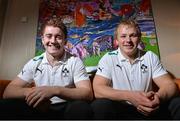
x: 91, y: 25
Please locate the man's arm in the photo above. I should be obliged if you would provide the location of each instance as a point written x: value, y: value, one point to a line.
x: 167, y: 87
x: 82, y: 91
x: 17, y: 88
x: 102, y: 89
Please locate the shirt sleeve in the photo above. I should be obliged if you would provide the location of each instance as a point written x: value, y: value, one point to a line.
x: 80, y: 71
x: 157, y: 67
x: 26, y: 73
x: 104, y: 67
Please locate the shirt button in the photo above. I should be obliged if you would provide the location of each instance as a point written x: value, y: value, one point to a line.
x: 53, y: 73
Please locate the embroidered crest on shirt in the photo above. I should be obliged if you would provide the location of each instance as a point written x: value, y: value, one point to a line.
x: 65, y: 72
x: 144, y: 68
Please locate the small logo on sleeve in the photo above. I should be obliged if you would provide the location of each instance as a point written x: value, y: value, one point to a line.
x: 101, y: 69
x: 23, y: 71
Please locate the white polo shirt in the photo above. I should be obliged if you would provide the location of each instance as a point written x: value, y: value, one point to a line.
x: 126, y: 76
x: 67, y: 72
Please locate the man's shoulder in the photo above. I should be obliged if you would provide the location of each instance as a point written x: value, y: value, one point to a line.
x: 150, y: 54
x: 71, y: 58
x: 113, y: 53
x: 110, y: 56
x: 38, y: 58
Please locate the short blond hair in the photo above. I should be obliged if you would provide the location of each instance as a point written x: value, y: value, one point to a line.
x: 128, y: 22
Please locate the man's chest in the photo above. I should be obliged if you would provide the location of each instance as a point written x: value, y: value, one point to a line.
x: 60, y: 75
x: 132, y: 76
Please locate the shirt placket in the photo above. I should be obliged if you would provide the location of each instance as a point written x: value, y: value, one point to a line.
x: 127, y: 73
x: 134, y: 76
x: 53, y: 74
x: 132, y: 73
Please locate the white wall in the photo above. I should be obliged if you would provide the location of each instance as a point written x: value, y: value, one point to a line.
x: 18, y: 42
x: 167, y: 20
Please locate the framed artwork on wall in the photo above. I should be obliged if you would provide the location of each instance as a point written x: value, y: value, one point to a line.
x: 91, y: 25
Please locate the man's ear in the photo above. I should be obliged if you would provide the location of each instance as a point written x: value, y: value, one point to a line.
x: 42, y: 37
x: 42, y: 40
x: 115, y: 44
x: 65, y: 42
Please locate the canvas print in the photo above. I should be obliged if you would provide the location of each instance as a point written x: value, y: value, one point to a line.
x: 91, y: 25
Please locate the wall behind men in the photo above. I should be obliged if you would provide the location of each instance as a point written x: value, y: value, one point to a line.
x: 0, y: 28
x: 167, y: 20
x: 3, y: 6
x: 18, y: 39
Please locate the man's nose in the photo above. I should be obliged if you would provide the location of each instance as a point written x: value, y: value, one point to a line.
x: 128, y: 38
x: 53, y: 39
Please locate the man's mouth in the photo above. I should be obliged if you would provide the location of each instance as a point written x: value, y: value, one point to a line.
x: 128, y: 46
x: 55, y: 45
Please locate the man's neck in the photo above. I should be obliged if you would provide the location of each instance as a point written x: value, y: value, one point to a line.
x: 53, y: 60
x: 131, y: 57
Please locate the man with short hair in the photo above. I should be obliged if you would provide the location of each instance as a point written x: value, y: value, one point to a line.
x: 62, y: 86
x: 123, y: 84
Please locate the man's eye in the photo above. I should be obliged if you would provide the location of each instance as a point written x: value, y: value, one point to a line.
x: 123, y: 36
x: 59, y: 37
x: 134, y: 35
x: 48, y: 36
